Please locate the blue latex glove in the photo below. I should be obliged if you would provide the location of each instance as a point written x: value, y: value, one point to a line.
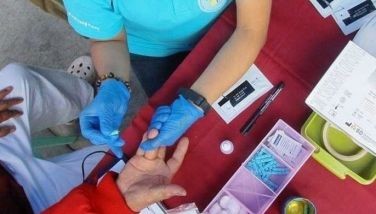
x: 101, y: 119
x: 172, y: 122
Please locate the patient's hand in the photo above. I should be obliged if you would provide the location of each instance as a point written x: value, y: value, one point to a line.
x: 5, y: 112
x: 146, y: 177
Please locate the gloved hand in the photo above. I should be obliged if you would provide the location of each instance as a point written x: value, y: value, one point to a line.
x: 171, y: 123
x: 101, y: 119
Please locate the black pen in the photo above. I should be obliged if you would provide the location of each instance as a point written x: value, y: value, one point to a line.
x: 252, y: 120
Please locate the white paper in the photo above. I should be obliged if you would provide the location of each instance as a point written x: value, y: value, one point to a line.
x: 341, y: 9
x: 284, y: 145
x: 328, y: 7
x: 346, y: 95
x: 324, y: 11
x: 258, y: 82
x: 341, y: 14
x: 153, y: 209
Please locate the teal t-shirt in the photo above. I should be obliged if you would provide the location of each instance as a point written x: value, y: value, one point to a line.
x: 153, y: 27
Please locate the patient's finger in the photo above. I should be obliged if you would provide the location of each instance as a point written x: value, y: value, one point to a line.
x: 152, y: 154
x: 5, y: 130
x: 5, y: 91
x: 163, y: 192
x: 162, y: 152
x: 177, y: 158
x: 141, y: 152
x: 152, y: 133
x: 156, y: 153
x: 7, y: 114
x: 6, y: 104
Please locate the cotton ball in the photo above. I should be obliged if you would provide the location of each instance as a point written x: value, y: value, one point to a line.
x: 215, y: 209
x: 233, y: 206
x: 223, y: 202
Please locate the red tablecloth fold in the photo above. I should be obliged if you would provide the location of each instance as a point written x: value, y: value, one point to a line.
x: 301, y: 46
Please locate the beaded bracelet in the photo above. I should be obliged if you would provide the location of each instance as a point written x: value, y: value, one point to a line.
x: 111, y: 76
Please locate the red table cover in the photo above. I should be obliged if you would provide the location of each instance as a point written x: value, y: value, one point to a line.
x: 301, y: 46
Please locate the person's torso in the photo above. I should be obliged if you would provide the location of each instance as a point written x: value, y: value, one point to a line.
x: 165, y: 27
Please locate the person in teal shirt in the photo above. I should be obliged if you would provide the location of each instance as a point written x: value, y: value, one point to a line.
x: 152, y: 37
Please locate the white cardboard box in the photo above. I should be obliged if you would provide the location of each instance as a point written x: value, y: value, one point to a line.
x: 346, y: 95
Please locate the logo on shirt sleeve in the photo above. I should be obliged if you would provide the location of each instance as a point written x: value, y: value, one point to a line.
x: 211, y: 5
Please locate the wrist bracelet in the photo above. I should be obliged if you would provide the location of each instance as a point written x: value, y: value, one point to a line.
x: 111, y: 75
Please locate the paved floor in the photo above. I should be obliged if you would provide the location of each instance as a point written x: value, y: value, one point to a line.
x: 31, y: 36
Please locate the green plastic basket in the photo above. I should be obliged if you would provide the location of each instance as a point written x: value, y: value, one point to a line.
x: 362, y: 170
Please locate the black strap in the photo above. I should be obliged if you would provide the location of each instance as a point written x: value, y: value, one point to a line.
x: 195, y: 98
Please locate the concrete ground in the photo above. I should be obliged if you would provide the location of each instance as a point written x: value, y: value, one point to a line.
x: 31, y: 36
